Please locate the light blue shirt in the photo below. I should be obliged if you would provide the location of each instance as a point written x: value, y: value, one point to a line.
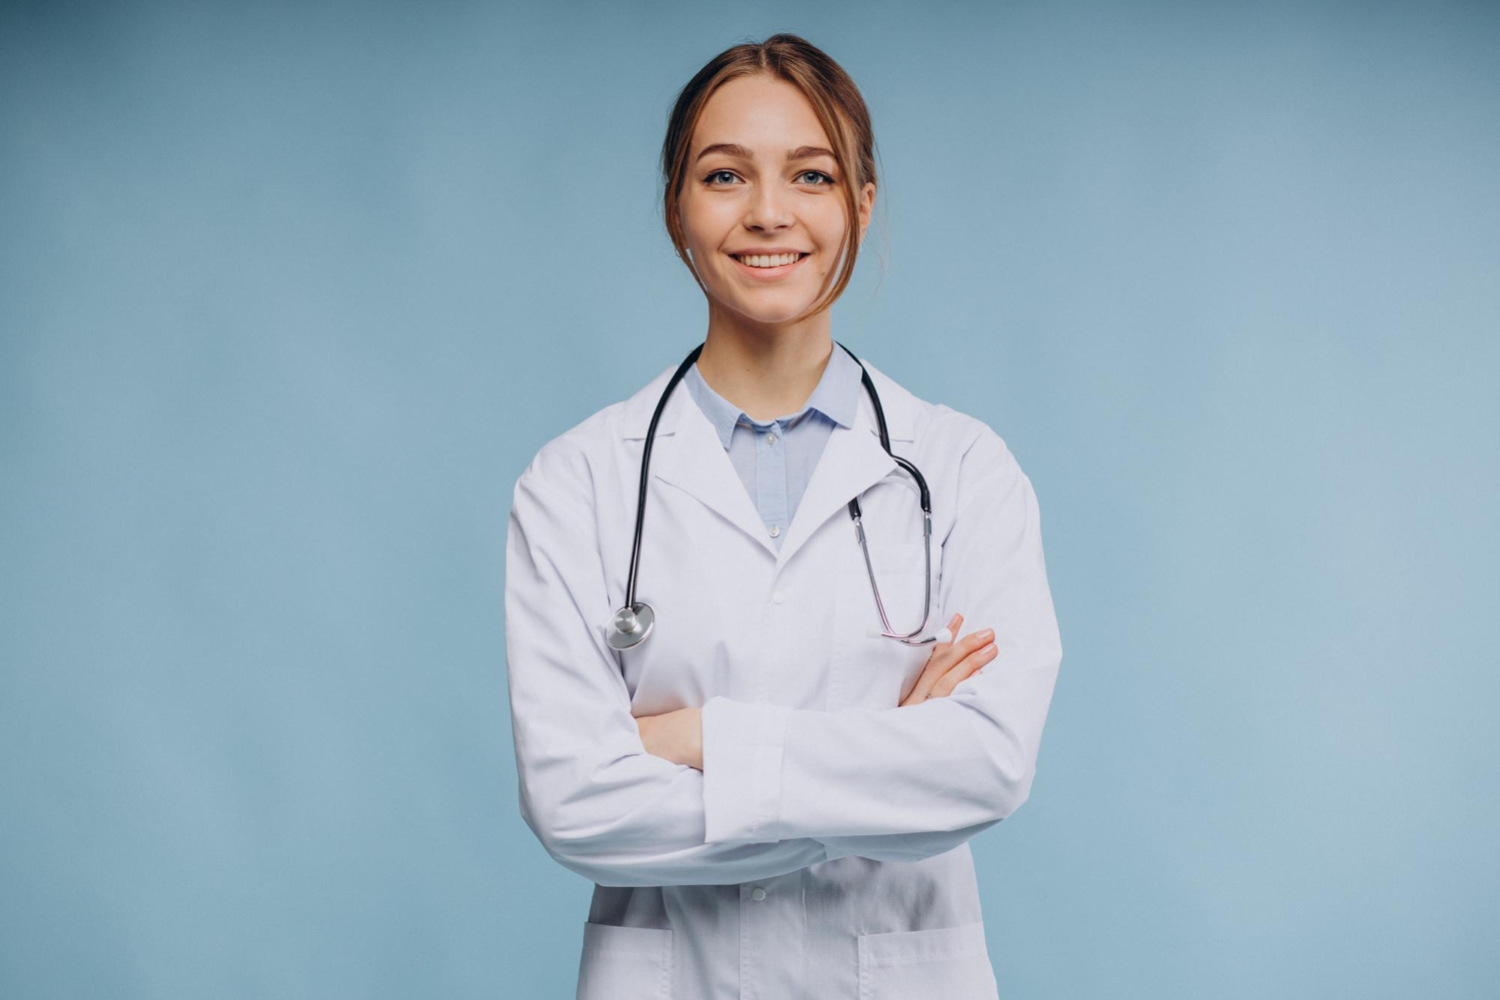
x: 776, y: 458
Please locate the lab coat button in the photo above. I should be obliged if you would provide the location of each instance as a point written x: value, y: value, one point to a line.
x: 779, y: 596
x: 775, y: 531
x: 758, y: 894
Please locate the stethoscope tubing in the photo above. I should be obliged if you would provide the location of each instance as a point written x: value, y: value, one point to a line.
x: 633, y: 622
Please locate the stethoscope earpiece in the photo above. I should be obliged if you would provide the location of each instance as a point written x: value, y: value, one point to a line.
x: 942, y: 635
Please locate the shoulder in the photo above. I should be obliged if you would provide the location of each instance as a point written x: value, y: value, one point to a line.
x: 940, y: 430
x: 571, y: 461
x: 983, y: 453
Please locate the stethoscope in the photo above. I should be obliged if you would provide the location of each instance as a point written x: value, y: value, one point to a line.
x: 633, y: 622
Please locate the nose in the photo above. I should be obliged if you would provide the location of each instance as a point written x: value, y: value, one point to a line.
x: 768, y: 210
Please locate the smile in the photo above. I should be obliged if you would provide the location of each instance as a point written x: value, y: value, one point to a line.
x: 769, y: 266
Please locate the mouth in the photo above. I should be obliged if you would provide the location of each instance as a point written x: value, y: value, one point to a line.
x: 768, y: 267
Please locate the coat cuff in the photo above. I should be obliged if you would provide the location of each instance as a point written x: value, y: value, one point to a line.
x: 742, y: 749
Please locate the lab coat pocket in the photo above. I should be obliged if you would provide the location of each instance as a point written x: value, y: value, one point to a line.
x: 625, y: 963
x: 948, y: 962
x: 875, y: 672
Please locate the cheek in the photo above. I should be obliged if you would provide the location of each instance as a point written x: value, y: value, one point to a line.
x: 830, y: 233
x: 706, y: 221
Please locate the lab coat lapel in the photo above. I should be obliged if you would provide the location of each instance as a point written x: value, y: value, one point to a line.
x: 852, y: 462
x: 693, y: 459
x: 689, y: 455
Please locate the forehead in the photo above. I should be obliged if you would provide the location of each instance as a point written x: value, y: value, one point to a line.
x: 765, y: 114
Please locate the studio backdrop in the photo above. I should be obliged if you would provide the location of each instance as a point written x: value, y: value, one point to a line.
x: 290, y: 294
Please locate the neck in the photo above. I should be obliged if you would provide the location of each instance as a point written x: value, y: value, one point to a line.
x: 767, y: 371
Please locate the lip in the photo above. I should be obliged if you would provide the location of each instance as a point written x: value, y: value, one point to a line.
x: 770, y: 273
x: 746, y: 251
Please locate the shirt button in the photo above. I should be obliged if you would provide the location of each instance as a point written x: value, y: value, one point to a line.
x: 775, y: 531
x: 758, y: 894
x: 779, y: 596
x: 771, y: 438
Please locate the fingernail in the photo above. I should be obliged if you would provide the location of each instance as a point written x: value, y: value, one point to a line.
x: 988, y: 633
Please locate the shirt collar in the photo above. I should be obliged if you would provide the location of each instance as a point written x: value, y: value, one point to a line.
x: 836, y: 396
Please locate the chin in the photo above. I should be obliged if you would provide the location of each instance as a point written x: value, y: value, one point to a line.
x: 771, y: 317
x: 770, y: 308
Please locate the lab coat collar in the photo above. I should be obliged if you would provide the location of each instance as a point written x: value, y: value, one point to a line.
x: 688, y: 454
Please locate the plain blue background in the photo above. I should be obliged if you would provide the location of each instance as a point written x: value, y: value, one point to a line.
x: 290, y: 294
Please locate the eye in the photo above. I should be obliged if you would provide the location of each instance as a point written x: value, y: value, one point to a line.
x: 709, y: 180
x: 827, y: 180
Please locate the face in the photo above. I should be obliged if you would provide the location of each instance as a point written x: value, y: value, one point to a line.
x: 762, y: 188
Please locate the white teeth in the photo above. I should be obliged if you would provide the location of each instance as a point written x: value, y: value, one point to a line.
x: 769, y: 260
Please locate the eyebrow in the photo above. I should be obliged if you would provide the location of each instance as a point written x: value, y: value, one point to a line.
x: 735, y: 149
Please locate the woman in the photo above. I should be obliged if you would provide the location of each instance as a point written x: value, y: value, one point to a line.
x: 771, y: 802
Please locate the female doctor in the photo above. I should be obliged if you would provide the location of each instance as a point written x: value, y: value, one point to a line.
x: 772, y: 778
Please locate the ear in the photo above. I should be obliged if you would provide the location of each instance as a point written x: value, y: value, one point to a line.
x: 866, y: 206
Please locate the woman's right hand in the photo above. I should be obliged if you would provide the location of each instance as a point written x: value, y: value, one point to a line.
x: 951, y: 662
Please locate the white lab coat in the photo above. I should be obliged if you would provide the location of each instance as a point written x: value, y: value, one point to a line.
x: 823, y: 849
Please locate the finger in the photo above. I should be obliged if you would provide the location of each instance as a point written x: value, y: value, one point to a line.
x: 953, y: 624
x: 970, y: 665
x: 939, y: 659
x: 943, y: 636
x: 950, y: 680
x: 945, y: 656
x: 968, y: 644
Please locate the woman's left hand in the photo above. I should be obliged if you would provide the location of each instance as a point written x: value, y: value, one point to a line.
x: 677, y: 735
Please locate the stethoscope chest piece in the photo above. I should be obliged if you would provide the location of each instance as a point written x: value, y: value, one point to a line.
x: 630, y: 625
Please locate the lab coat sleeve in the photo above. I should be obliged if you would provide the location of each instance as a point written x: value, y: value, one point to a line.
x: 598, y: 802
x: 922, y: 776
x: 914, y: 846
